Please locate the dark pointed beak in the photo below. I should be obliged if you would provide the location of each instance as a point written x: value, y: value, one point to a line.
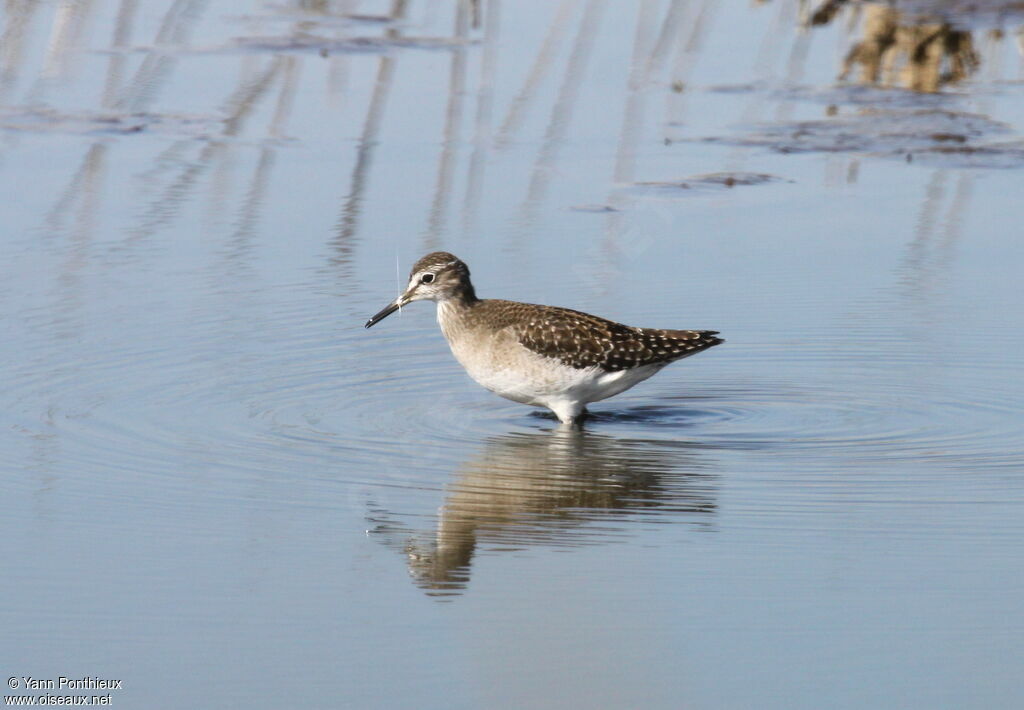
x: 386, y: 311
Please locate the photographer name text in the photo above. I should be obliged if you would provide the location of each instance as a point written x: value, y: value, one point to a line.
x: 62, y: 683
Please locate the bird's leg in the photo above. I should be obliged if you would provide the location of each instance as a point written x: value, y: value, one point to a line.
x: 571, y: 415
x: 577, y: 421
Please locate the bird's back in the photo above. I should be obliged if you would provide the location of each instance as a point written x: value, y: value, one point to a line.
x: 582, y: 340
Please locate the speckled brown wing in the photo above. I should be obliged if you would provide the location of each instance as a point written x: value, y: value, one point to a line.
x: 582, y: 340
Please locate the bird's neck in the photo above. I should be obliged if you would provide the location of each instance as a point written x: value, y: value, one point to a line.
x: 465, y: 293
x: 453, y: 312
x: 460, y: 298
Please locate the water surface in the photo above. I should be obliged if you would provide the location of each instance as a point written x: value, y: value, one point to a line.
x: 224, y: 491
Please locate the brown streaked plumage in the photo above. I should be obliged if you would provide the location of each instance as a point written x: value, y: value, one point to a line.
x: 541, y: 355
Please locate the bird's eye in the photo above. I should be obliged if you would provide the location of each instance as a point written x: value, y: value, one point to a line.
x: 427, y: 278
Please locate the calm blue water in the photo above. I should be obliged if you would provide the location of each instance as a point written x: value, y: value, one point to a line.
x: 223, y: 491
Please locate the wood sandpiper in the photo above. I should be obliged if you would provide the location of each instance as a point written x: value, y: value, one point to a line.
x: 541, y: 355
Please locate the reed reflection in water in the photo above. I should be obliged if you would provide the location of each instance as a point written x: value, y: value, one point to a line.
x: 915, y: 45
x: 900, y: 48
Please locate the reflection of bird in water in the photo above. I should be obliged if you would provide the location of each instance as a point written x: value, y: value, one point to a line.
x: 927, y: 52
x: 528, y: 489
x: 541, y: 355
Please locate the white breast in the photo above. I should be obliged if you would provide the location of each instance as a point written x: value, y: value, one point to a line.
x: 497, y: 361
